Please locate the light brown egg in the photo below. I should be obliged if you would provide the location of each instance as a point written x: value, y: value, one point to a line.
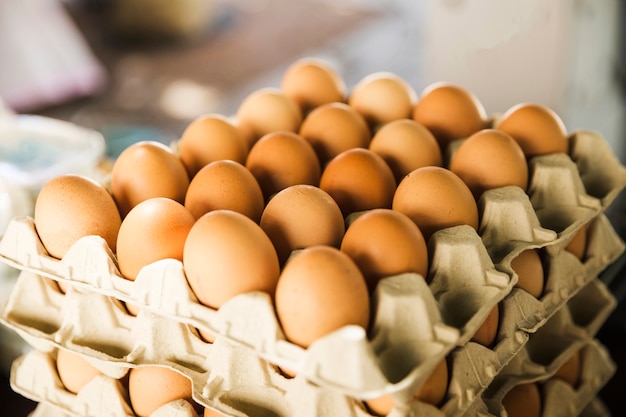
x: 281, y: 159
x: 450, y: 112
x: 227, y: 254
x: 300, y: 216
x: 406, y: 145
x: 152, y: 386
x: 382, y: 97
x: 319, y: 291
x: 210, y: 138
x: 435, y: 198
x: 154, y: 229
x: 333, y: 128
x: 267, y: 110
x: 578, y: 245
x: 74, y: 370
x: 212, y: 413
x: 383, y: 242
x: 570, y: 371
x: 311, y: 82
x: 144, y: 170
x: 358, y: 179
x: 488, y: 331
x: 529, y: 268
x: 70, y: 207
x: 523, y: 400
x: 226, y: 185
x: 490, y: 159
x: 538, y: 129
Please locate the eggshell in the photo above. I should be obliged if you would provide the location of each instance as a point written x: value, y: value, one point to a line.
x: 69, y: 207
x: 281, y: 159
x: 450, y: 112
x: 435, y: 198
x: 358, y: 179
x: 210, y: 138
x: 406, y: 145
x: 312, y: 82
x: 523, y: 400
x: 383, y: 242
x: 151, y: 387
x: 570, y: 371
x: 538, y: 129
x: 488, y: 331
x: 267, y: 110
x: 529, y: 269
x: 578, y: 245
x: 225, y: 185
x: 227, y: 254
x: 490, y: 159
x: 320, y: 290
x: 74, y: 370
x: 300, y: 216
x: 144, y: 170
x: 382, y: 97
x: 333, y: 128
x: 154, y: 229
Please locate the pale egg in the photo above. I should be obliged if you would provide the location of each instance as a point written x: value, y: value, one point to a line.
x: 74, y: 370
x: 152, y: 386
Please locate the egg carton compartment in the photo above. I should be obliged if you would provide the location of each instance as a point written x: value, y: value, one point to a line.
x: 595, y: 408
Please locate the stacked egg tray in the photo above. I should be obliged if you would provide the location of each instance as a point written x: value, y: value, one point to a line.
x: 417, y: 322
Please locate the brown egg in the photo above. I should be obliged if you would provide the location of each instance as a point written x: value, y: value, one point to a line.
x: 312, y: 82
x: 435, y: 198
x: 529, y: 269
x: 358, y: 179
x: 578, y: 245
x: 144, y: 170
x: 301, y: 216
x: 227, y: 254
x: 209, y: 138
x: 450, y: 112
x: 333, y: 128
x: 537, y: 128
x: 383, y: 242
x: 70, y: 207
x: 570, y: 371
x: 490, y: 159
x: 406, y: 145
x: 225, y: 185
x: 154, y: 229
x: 382, y: 97
x: 212, y: 413
x: 153, y: 386
x: 267, y: 110
x: 319, y: 291
x: 74, y: 370
x: 488, y: 331
x: 523, y: 400
x: 281, y: 159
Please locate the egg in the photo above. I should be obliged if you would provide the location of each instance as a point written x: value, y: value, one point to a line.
x: 152, y: 386
x: 69, y: 207
x: 227, y: 254
x: 300, y: 216
x: 537, y: 128
x: 226, y: 185
x: 530, y: 274
x: 435, y: 198
x: 74, y: 370
x: 281, y: 159
x: 523, y: 400
x: 450, y: 112
x: 358, y: 179
x: 488, y: 330
x: 144, y: 170
x: 570, y: 370
x: 333, y: 128
x: 577, y: 246
x: 319, y: 291
x: 406, y: 145
x: 311, y: 82
x: 209, y: 138
x: 490, y: 159
x: 382, y: 97
x: 267, y: 110
x: 382, y: 243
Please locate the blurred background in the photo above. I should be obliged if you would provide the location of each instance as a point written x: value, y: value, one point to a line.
x: 143, y: 69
